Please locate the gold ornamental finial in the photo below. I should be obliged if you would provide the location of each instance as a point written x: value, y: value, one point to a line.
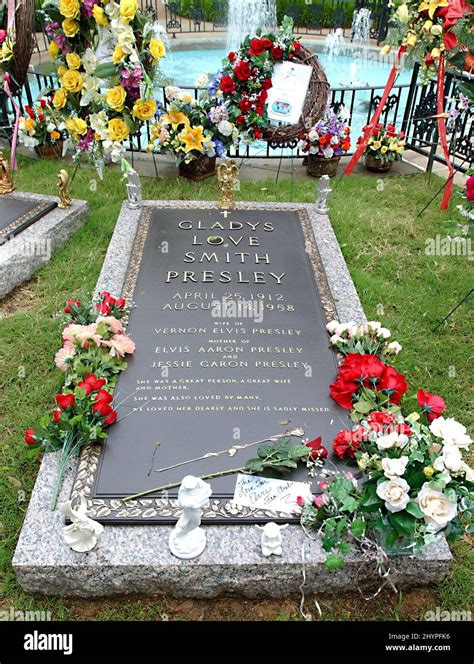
x: 6, y: 182
x: 227, y: 176
x: 63, y: 183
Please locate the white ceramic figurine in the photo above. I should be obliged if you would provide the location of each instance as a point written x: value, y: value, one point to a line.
x: 188, y: 540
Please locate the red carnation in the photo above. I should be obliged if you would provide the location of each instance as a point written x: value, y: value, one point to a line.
x: 121, y: 303
x: 65, y: 400
x: 432, y: 405
x: 242, y: 71
x: 277, y: 53
x: 103, y: 395
x: 256, y: 46
x: 318, y: 451
x: 394, y: 383
x: 227, y: 84
x: 259, y: 110
x: 240, y: 119
x: 69, y: 304
x: 379, y: 417
x: 30, y: 436
x: 108, y: 300
x: 111, y: 417
x: 103, y: 308
x: 403, y: 429
x: 346, y: 443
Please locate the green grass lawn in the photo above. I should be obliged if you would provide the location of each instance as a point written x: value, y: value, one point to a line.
x: 384, y: 246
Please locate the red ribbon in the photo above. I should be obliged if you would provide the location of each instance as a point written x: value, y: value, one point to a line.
x: 448, y: 189
x: 368, y: 129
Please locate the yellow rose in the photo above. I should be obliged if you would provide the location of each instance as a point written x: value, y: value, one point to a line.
x: 118, y: 130
x: 76, y: 127
x: 116, y: 98
x: 73, y: 60
x: 100, y: 17
x: 60, y: 99
x: 29, y: 124
x: 69, y: 8
x: 118, y: 55
x: 185, y: 97
x: 61, y: 71
x: 128, y: 9
x: 144, y: 109
x: 70, y: 27
x: 157, y: 49
x: 72, y: 81
x: 53, y: 49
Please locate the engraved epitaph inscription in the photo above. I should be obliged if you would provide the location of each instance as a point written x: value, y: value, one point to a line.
x: 231, y: 348
x: 16, y: 214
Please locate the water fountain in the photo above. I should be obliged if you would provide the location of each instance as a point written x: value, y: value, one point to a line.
x: 334, y: 43
x: 353, y: 82
x: 245, y: 16
x: 360, y: 31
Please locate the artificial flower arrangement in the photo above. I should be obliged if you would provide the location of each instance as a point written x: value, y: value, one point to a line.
x: 106, y: 55
x: 428, y: 29
x: 246, y: 77
x: 41, y: 125
x: 191, y: 128
x: 412, y: 483
x: 92, y: 356
x: 385, y: 144
x: 330, y: 136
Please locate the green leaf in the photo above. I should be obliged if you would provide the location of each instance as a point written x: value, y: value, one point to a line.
x: 345, y: 547
x: 105, y: 70
x: 264, y: 451
x: 415, y: 510
x: 80, y: 392
x: 254, y: 466
x: 362, y: 407
x: 299, y: 451
x: 358, y: 527
x: 403, y: 523
x: 369, y: 500
x: 285, y: 463
x: 334, y: 562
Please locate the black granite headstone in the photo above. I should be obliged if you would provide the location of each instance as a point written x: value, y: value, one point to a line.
x: 16, y: 214
x: 207, y: 374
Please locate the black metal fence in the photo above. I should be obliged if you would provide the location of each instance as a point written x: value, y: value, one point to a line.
x: 410, y: 107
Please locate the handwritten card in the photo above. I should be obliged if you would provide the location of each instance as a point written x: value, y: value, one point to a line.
x: 270, y: 494
x: 286, y: 97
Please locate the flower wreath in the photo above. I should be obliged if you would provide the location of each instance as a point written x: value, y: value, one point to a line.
x: 246, y: 77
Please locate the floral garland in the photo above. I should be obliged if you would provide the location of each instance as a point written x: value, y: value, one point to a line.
x: 413, y: 482
x: 191, y: 128
x: 246, y: 77
x: 106, y: 59
x: 94, y: 345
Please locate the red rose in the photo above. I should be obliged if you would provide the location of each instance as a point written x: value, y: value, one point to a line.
x: 65, y: 400
x: 256, y: 46
x: 266, y: 83
x: 245, y: 105
x: 85, y: 386
x: 432, y: 405
x: 394, y: 383
x: 96, y: 383
x: 259, y: 110
x: 345, y: 444
x: 102, y: 308
x: 231, y: 57
x: 42, y: 103
x: 300, y: 501
x: 381, y: 417
x: 121, y: 303
x: 30, y: 436
x: 257, y: 133
x: 103, y: 395
x: 227, y: 84
x: 41, y: 117
x: 240, y: 119
x: 318, y: 451
x: 71, y: 303
x: 30, y: 112
x: 296, y: 46
x: 102, y: 407
x: 57, y: 415
x: 429, y: 60
x: 242, y: 71
x: 277, y: 53
x: 111, y: 417
x: 266, y: 43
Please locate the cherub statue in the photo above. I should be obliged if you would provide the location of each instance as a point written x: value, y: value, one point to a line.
x: 63, y: 185
x: 81, y: 535
x: 272, y: 539
x: 6, y: 182
x: 227, y: 175
x: 187, y: 539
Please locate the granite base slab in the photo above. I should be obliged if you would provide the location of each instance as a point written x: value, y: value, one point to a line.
x: 136, y: 558
x: 33, y: 247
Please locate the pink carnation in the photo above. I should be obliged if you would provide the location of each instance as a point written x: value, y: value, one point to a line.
x: 120, y: 345
x: 67, y: 352
x: 113, y: 324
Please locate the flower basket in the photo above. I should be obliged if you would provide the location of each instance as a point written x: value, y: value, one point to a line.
x: 318, y: 165
x: 50, y: 151
x: 198, y: 169
x: 377, y: 165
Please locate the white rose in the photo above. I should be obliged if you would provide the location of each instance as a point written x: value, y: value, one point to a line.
x: 332, y: 326
x: 336, y: 339
x: 390, y: 440
x: 393, y: 468
x: 355, y: 330
x: 50, y: 127
x: 450, y: 459
x: 384, y: 332
x: 393, y: 348
x: 202, y: 81
x: 452, y: 432
x: 374, y: 325
x: 436, y: 507
x: 468, y: 472
x: 225, y: 127
x: 395, y: 494
x: 171, y: 92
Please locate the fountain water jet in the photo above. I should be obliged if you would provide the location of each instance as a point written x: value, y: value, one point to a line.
x: 361, y: 20
x: 246, y: 16
x: 334, y: 43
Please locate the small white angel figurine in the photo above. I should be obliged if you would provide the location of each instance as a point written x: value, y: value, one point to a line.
x: 81, y: 535
x: 187, y: 539
x: 272, y: 539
